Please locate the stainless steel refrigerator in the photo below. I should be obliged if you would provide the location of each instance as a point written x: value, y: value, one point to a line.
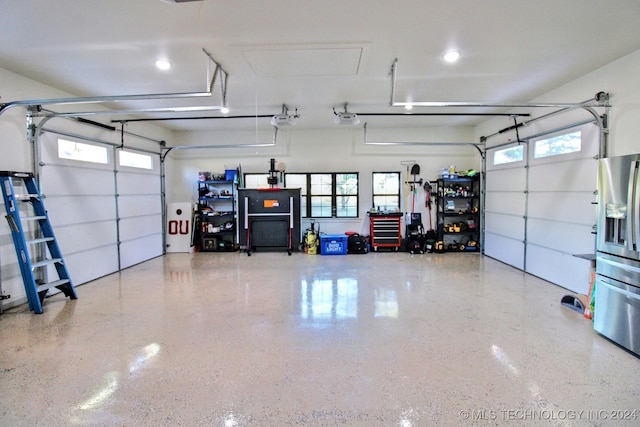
x: 617, y: 299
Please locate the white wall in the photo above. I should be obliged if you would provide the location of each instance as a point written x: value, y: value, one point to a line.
x: 329, y: 150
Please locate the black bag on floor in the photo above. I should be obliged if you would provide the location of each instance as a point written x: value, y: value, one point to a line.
x: 430, y: 240
x: 356, y: 244
x: 415, y: 243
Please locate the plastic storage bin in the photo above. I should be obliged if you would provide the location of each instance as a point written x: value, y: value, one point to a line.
x: 333, y: 244
x: 230, y: 174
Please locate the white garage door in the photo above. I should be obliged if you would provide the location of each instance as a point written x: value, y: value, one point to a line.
x: 505, y: 207
x: 540, y: 210
x: 102, y: 223
x: 139, y: 208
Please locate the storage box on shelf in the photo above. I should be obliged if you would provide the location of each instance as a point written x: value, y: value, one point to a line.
x: 217, y: 215
x: 458, y: 213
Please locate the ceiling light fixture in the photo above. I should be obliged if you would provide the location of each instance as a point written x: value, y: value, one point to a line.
x: 451, y: 56
x: 285, y: 118
x: 224, y: 110
x: 163, y: 64
x: 345, y: 118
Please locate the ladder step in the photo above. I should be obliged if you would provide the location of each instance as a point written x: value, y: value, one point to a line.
x: 33, y: 218
x: 45, y: 262
x: 40, y: 240
x: 27, y: 196
x: 47, y: 286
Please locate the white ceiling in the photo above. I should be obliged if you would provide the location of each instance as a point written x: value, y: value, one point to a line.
x: 314, y: 56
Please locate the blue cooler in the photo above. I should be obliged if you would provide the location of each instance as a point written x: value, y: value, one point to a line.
x: 333, y: 244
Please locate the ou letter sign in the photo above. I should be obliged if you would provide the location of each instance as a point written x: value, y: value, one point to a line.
x: 178, y: 227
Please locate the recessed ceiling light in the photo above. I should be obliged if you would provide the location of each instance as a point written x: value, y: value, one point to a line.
x: 451, y: 56
x: 224, y: 110
x: 163, y: 64
x: 408, y: 107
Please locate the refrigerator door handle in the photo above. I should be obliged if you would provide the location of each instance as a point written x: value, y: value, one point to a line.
x: 618, y: 265
x: 620, y: 291
x: 634, y: 202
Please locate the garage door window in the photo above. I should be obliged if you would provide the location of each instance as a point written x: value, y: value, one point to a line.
x: 508, y: 155
x: 135, y: 160
x: 561, y: 144
x: 82, y: 152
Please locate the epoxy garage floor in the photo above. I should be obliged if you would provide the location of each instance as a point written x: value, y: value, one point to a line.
x: 384, y: 339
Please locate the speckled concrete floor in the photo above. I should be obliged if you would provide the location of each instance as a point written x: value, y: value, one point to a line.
x: 384, y: 339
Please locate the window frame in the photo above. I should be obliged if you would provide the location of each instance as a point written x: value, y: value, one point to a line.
x: 308, y: 195
x: 374, y: 194
x: 249, y: 174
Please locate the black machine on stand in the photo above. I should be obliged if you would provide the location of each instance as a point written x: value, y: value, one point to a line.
x: 269, y: 217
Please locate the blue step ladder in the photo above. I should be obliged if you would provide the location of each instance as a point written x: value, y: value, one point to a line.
x: 35, y: 289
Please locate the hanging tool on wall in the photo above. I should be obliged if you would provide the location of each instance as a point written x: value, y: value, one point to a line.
x: 407, y: 163
x: 427, y: 201
x: 415, y: 170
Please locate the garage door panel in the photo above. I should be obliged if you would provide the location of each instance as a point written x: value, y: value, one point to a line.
x: 132, y: 228
x: 138, y: 183
x: 81, y: 181
x: 567, y: 207
x: 139, y: 205
x: 505, y: 249
x: 506, y: 180
x: 73, y: 210
x: 92, y: 264
x: 577, y: 175
x: 83, y: 237
x: 139, y: 250
x: 506, y: 225
x: 506, y: 202
x: 140, y: 209
x: 560, y: 268
x: 554, y: 235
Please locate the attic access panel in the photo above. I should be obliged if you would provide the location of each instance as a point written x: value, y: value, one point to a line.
x: 305, y: 61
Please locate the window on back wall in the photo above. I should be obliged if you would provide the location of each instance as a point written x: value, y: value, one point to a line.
x: 386, y: 190
x: 82, y: 152
x: 346, y: 195
x: 326, y: 195
x: 298, y: 180
x: 561, y: 144
x: 256, y: 180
